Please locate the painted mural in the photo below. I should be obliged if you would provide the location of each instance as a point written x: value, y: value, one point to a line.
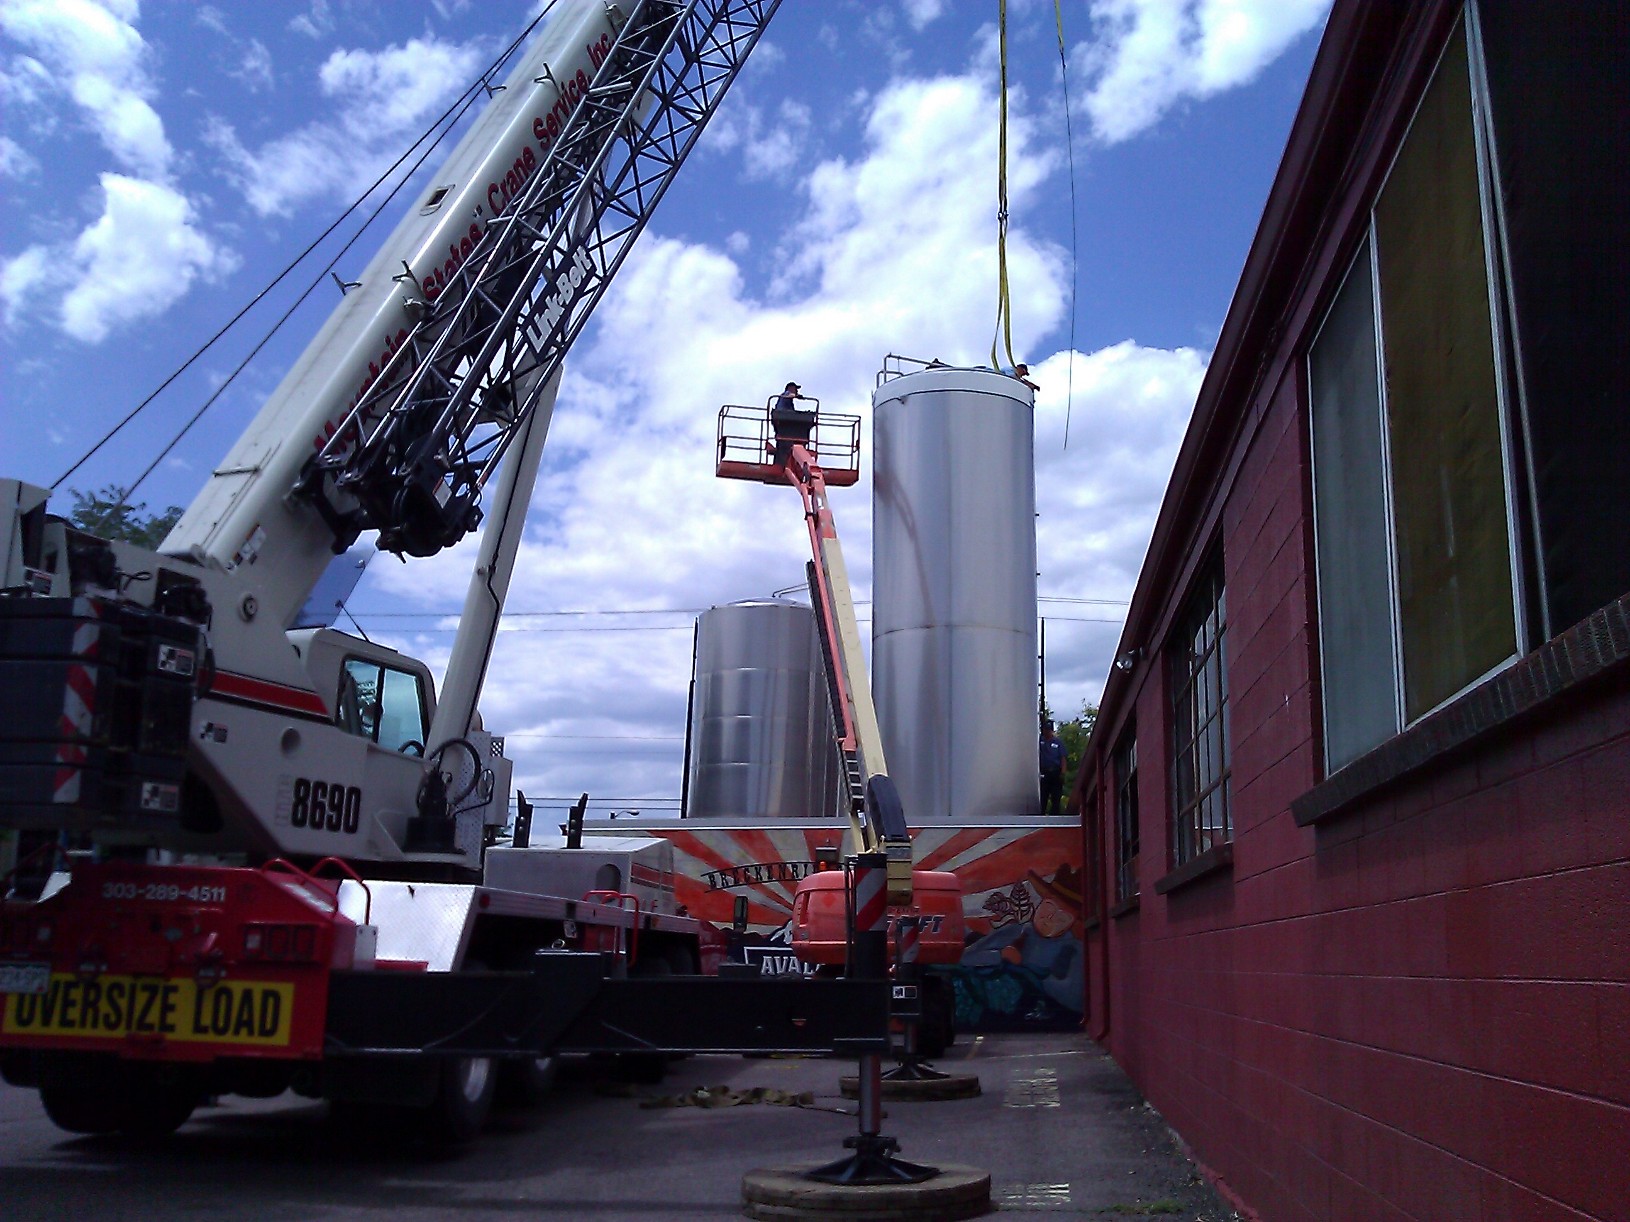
x: 1022, y: 967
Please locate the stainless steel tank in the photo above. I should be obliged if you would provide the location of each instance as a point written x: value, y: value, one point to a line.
x: 954, y: 592
x: 761, y: 741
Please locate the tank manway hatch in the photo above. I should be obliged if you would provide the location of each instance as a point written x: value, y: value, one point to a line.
x: 954, y: 668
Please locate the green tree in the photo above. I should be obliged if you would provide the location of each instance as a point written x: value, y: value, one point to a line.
x: 105, y: 515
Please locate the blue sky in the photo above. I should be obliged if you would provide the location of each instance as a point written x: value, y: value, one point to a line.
x: 162, y: 162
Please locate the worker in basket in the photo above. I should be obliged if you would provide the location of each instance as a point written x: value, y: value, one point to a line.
x: 789, y: 422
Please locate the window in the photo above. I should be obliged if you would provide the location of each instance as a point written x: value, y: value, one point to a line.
x: 1412, y: 506
x: 382, y: 704
x: 1125, y: 765
x: 434, y: 200
x: 1200, y: 816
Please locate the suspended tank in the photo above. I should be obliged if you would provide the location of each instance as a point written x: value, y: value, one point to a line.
x: 954, y: 593
x: 760, y: 741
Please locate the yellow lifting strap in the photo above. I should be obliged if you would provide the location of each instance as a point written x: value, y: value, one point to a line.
x: 1004, y: 313
x: 1003, y: 338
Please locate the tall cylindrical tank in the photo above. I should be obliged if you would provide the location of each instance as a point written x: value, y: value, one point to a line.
x: 761, y: 741
x: 954, y: 592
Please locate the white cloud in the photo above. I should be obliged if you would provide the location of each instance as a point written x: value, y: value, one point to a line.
x: 891, y: 253
x: 255, y: 68
x: 1128, y: 407
x: 209, y: 16
x: 316, y: 22
x: 771, y: 148
x: 21, y: 277
x: 146, y: 249
x: 136, y: 260
x: 15, y: 160
x: 94, y: 52
x: 381, y: 97
x: 1146, y: 56
x: 921, y: 12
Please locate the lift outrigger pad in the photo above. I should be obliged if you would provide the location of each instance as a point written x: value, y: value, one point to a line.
x: 955, y: 1192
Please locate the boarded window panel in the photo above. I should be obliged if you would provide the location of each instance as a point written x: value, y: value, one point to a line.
x: 1448, y: 471
x: 1559, y: 94
x: 1350, y: 525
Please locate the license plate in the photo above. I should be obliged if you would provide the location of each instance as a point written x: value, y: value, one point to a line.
x: 32, y: 978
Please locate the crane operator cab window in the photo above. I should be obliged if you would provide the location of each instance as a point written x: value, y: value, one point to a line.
x: 383, y: 705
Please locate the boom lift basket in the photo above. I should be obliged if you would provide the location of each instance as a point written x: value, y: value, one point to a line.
x: 747, y: 445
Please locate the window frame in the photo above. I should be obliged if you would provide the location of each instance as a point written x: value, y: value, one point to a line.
x: 371, y: 735
x: 1507, y: 391
x: 1207, y: 600
x: 1124, y: 791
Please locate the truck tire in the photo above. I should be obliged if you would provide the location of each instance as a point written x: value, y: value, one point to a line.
x: 79, y: 1109
x: 524, y: 1083
x: 138, y: 1102
x: 158, y: 1110
x: 464, y: 1094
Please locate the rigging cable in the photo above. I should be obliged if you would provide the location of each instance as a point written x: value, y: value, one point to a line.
x: 449, y: 118
x: 1069, y: 149
x: 1004, y: 312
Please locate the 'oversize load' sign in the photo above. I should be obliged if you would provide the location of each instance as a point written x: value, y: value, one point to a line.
x: 254, y: 1012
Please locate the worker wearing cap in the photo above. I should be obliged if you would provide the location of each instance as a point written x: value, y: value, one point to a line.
x: 1052, y: 771
x: 789, y: 421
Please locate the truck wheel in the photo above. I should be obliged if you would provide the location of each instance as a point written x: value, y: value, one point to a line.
x: 158, y: 1110
x: 524, y: 1083
x: 463, y: 1098
x: 76, y: 1109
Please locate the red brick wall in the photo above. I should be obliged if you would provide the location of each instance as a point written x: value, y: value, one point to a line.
x: 1417, y: 1009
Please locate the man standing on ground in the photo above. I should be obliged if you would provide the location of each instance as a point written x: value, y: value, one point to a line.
x: 1052, y: 771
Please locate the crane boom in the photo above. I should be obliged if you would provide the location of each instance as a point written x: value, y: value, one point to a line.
x: 399, y: 411
x: 459, y: 388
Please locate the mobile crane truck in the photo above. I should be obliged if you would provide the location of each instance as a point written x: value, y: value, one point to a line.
x: 288, y: 869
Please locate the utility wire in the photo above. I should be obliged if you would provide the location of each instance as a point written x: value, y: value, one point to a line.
x: 689, y: 611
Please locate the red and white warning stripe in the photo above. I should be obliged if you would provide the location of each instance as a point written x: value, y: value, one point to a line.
x: 78, y: 714
x: 871, y: 899
x: 909, y: 937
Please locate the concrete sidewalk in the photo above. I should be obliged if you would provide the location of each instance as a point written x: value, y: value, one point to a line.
x: 1058, y: 1127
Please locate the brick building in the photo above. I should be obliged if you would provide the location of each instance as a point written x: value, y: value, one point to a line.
x: 1357, y: 806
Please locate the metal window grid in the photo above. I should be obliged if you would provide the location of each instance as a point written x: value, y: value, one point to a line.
x: 1200, y: 817
x: 1126, y: 817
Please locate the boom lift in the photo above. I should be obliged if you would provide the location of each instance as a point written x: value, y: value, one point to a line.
x: 767, y: 446
x: 855, y: 913
x: 287, y: 866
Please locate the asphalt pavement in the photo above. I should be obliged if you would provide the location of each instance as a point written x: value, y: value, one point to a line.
x: 1060, y: 1129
